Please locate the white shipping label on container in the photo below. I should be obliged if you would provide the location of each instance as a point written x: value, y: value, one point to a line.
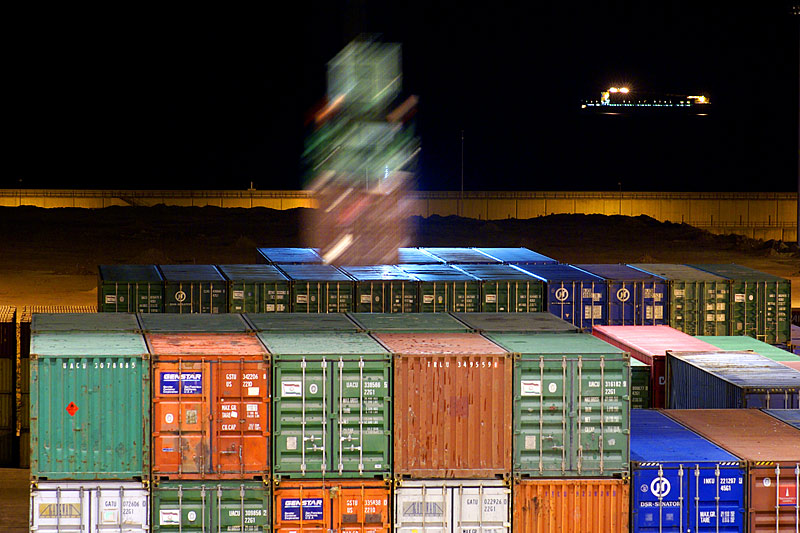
x: 709, y: 317
x: 302, y: 298
x: 720, y: 306
x: 648, y: 312
x: 491, y: 298
x: 720, y: 318
x: 739, y: 298
x: 366, y: 298
x: 648, y: 293
x: 531, y: 387
x: 252, y: 391
x: 530, y: 442
x: 597, y: 296
x: 710, y: 307
x: 659, y: 296
x: 659, y: 312
x: 586, y: 293
x: 291, y: 443
x: 679, y: 293
x: 427, y: 298
x: 270, y: 308
x: 291, y: 389
x: 238, y: 295
x: 169, y: 517
x: 111, y: 298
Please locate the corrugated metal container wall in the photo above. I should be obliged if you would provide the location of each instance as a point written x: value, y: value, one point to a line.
x: 85, y: 323
x: 729, y: 380
x: 698, y: 300
x: 194, y: 289
x: 409, y: 323
x: 416, y: 256
x: 505, y: 289
x: 24, y: 351
x: 289, y: 256
x: 90, y: 406
x: 640, y: 385
x: 741, y: 343
x: 384, y: 289
x: 556, y: 376
x: 649, y: 344
x: 452, y: 405
x: 772, y: 451
x: 684, y: 481
x: 96, y: 506
x: 298, y: 322
x: 452, y: 506
x: 462, y: 256
x: 332, y: 400
x: 507, y: 323
x: 635, y: 298
x: 794, y: 343
x: 169, y: 323
x: 9, y: 452
x: 8, y: 332
x: 256, y: 289
x: 790, y: 416
x: 571, y: 506
x: 573, y: 294
x: 517, y: 256
x: 211, y: 406
x: 130, y: 289
x: 760, y: 303
x: 199, y: 506
x: 319, y: 289
x: 444, y: 289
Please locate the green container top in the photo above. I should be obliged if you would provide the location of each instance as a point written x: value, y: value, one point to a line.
x: 193, y: 323
x: 130, y: 273
x: 86, y: 322
x: 190, y: 273
x: 738, y: 272
x: 677, y: 272
x: 497, y: 273
x: 409, y: 322
x: 320, y: 344
x: 252, y: 273
x: 287, y: 322
x: 377, y: 273
x: 87, y: 344
x: 554, y: 344
x: 742, y: 343
x: 437, y: 273
x: 314, y: 273
x: 516, y: 322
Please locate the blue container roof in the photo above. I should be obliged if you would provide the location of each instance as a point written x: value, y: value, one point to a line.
x: 437, y: 273
x: 458, y: 256
x: 314, y: 273
x: 617, y: 272
x: 743, y: 369
x: 190, y: 273
x: 254, y: 273
x: 657, y: 438
x: 552, y: 273
x: 416, y: 256
x: 377, y: 273
x: 497, y: 273
x: 291, y: 255
x: 130, y: 273
x: 517, y: 255
x: 790, y: 416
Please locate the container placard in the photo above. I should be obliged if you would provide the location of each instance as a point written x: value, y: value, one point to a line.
x: 169, y: 517
x: 59, y: 510
x: 311, y: 507
x: 185, y: 383
x: 787, y: 494
x: 531, y: 387
x: 291, y: 389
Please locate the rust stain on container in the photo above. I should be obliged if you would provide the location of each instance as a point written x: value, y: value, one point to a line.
x: 342, y: 506
x: 211, y: 406
x: 453, y: 406
x: 571, y: 506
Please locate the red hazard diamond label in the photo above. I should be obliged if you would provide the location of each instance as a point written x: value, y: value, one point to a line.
x: 72, y: 408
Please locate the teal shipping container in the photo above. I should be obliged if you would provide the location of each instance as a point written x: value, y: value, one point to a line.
x: 85, y: 323
x: 194, y: 289
x: 130, y: 289
x: 90, y: 406
x: 256, y: 289
x: 732, y: 343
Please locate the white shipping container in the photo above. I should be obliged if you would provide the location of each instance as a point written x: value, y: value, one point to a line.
x: 98, y: 506
x: 452, y: 506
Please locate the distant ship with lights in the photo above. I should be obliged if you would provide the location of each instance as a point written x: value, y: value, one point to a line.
x: 626, y: 101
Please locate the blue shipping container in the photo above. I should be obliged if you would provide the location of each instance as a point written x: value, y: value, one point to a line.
x: 289, y: 256
x: 462, y: 256
x: 681, y: 481
x: 729, y: 380
x: 635, y: 298
x: 790, y: 416
x: 572, y: 294
x: 517, y: 256
x: 416, y: 256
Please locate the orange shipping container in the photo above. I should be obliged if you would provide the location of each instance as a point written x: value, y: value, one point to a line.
x: 210, y: 406
x: 341, y: 506
x: 571, y: 506
x: 453, y: 406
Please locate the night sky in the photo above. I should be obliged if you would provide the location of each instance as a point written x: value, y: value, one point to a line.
x: 195, y: 100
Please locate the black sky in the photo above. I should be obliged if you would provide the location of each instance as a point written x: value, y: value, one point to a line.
x: 146, y: 99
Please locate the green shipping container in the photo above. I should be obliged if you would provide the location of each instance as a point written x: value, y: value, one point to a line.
x: 194, y: 289
x: 571, y: 405
x: 760, y: 304
x: 319, y: 289
x: 332, y: 412
x: 444, y: 289
x: 697, y: 301
x: 383, y: 289
x: 408, y: 323
x: 256, y: 289
x: 169, y: 323
x: 516, y: 323
x: 736, y: 344
x: 505, y: 289
x: 640, y: 385
x: 297, y: 322
x: 90, y: 406
x: 85, y: 323
x: 200, y: 506
x: 130, y: 289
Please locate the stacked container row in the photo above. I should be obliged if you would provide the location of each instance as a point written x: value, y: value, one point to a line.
x: 9, y: 441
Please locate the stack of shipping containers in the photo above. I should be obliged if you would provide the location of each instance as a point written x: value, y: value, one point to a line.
x: 256, y: 289
x: 443, y: 288
x: 635, y: 298
x: 383, y: 289
x: 734, y: 343
x: 9, y: 440
x: 319, y: 288
x: 505, y: 289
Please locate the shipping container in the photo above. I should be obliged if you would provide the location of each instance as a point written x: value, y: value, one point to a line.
x: 90, y: 406
x: 742, y: 343
x: 332, y: 405
x: 256, y: 289
x: 452, y: 506
x: 332, y: 506
x: 635, y: 298
x: 383, y: 289
x: 452, y: 405
x: 211, y: 406
x: 684, y: 482
x: 297, y: 322
x: 462, y: 256
x: 319, y: 289
x: 85, y: 323
x: 517, y: 256
x: 289, y: 256
x: 194, y: 289
x: 193, y: 323
x: 416, y: 256
x: 571, y: 505
x: 505, y: 289
x: 24, y: 383
x: 521, y: 323
x: 9, y: 442
x: 760, y: 304
x: 649, y: 344
x: 572, y: 294
x: 772, y: 451
x: 790, y: 416
x: 130, y: 289
x: 200, y: 506
x: 445, y: 289
x: 794, y: 343
x: 729, y: 380
x: 409, y: 323
x: 122, y: 506
x: 555, y: 377
x: 697, y: 301
x: 8, y: 332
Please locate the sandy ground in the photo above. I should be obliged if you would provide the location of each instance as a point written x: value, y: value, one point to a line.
x: 50, y: 256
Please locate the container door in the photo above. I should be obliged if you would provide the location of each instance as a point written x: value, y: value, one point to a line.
x: 116, y: 509
x: 563, y: 302
x: 240, y: 507
x: 363, y: 509
x: 302, y: 509
x: 591, y: 310
x: 715, y: 308
x: 783, y: 310
x: 773, y: 497
x: 654, y: 300
x: 149, y: 298
x: 362, y: 423
x: 424, y: 509
x: 623, y: 305
x: 716, y: 498
x: 465, y: 297
x: 481, y: 509
x: 183, y: 507
x: 57, y: 509
x: 661, y: 499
